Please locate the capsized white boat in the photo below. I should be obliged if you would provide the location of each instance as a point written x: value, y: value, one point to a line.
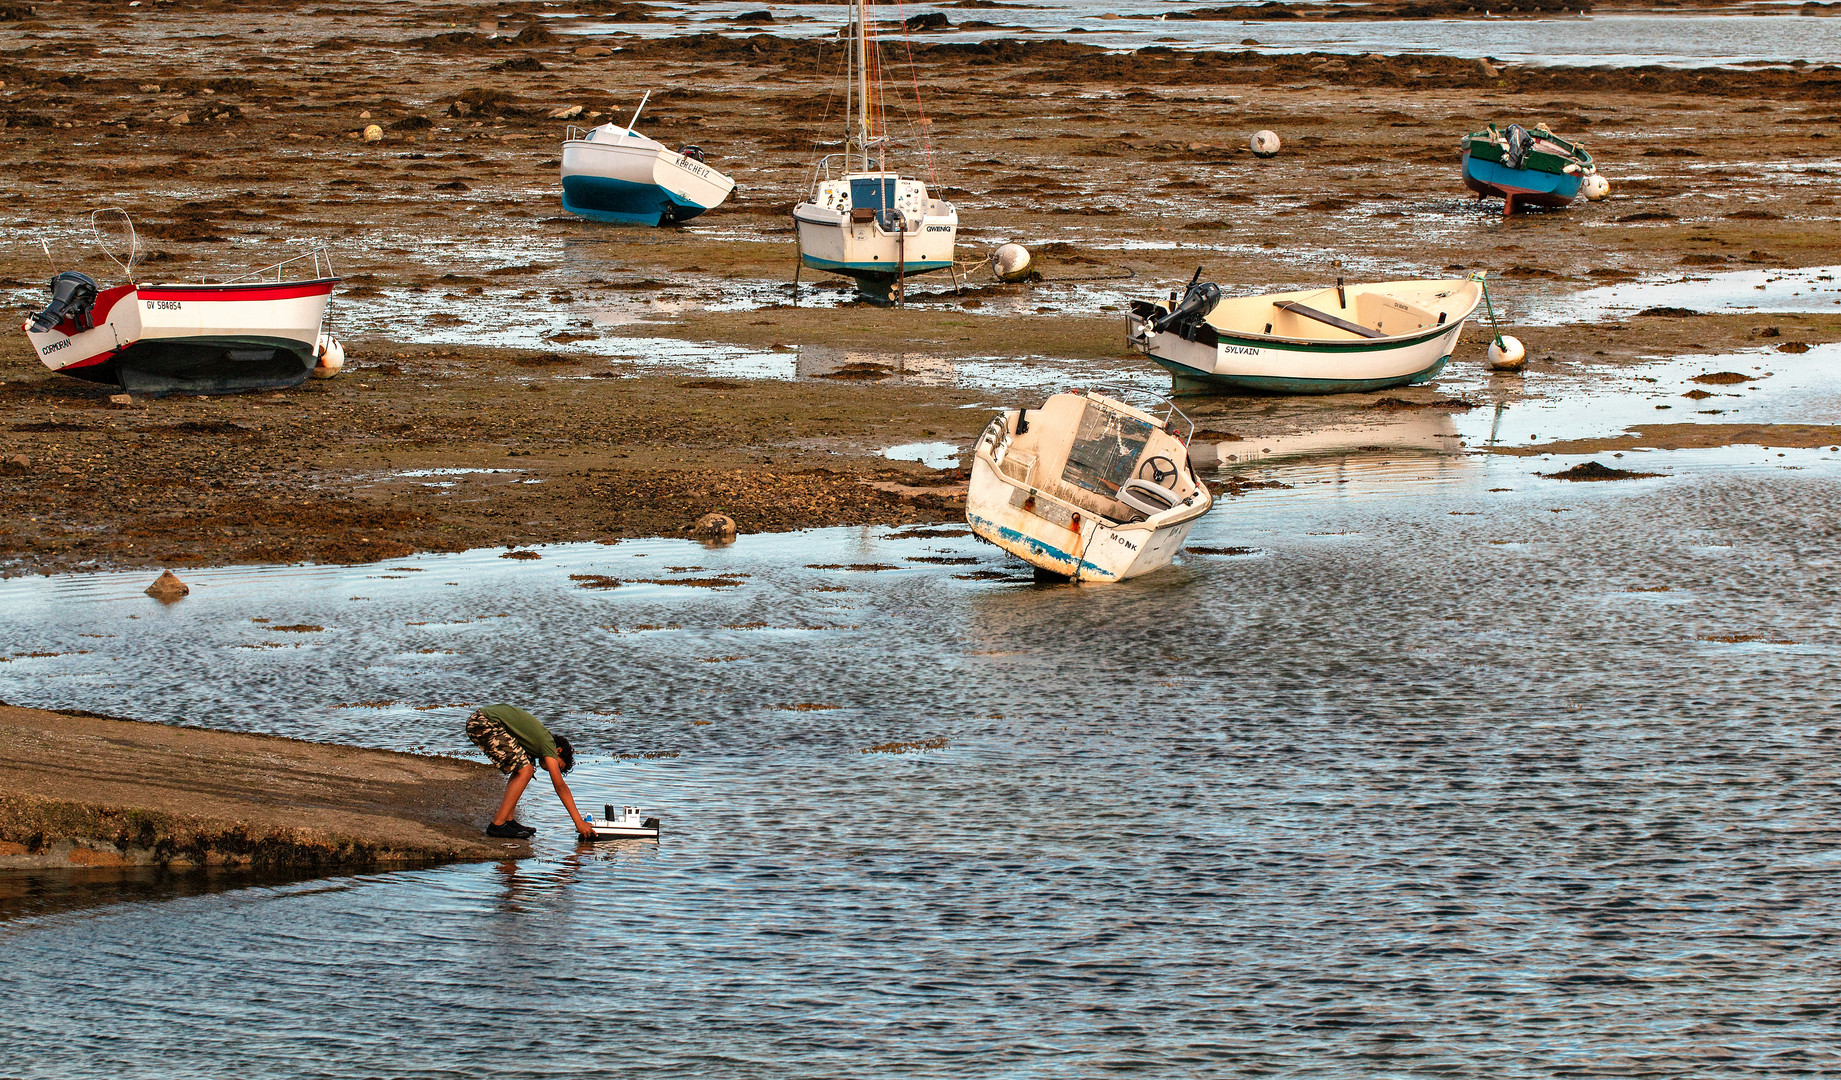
x: 1341, y: 339
x: 262, y: 330
x: 1086, y: 487
x: 870, y: 223
x: 629, y: 824
x: 613, y: 173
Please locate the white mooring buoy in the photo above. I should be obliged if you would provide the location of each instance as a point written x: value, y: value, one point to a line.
x: 1264, y: 144
x: 1507, y: 354
x: 1595, y: 187
x: 1011, y: 262
x: 332, y: 358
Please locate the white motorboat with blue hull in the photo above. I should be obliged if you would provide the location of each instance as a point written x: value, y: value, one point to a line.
x: 1086, y: 487
x: 1337, y: 340
x: 614, y: 174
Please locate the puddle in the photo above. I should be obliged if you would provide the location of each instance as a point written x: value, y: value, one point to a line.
x: 1786, y: 388
x: 1812, y: 289
x: 934, y: 455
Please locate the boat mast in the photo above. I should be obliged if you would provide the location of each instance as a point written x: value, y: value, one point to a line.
x: 862, y: 80
x: 647, y: 96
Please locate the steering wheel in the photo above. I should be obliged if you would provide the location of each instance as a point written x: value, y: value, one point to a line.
x: 1162, y: 470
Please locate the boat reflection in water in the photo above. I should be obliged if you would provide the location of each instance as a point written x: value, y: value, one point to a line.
x: 1423, y: 446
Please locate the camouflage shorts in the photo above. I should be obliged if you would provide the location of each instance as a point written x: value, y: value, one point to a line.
x: 499, y: 743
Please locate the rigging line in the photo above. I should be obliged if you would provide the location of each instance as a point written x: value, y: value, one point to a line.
x: 882, y: 115
x: 920, y: 109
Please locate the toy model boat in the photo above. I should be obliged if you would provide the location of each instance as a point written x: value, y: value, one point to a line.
x: 1342, y: 339
x: 1086, y: 487
x: 626, y: 825
x: 615, y: 174
x: 1523, y: 167
x: 260, y: 331
x: 871, y: 224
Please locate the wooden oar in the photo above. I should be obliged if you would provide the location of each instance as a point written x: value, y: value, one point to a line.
x: 1324, y: 317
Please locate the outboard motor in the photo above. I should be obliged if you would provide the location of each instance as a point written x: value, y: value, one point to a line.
x: 72, y: 296
x: 1519, y: 142
x: 693, y: 152
x: 1198, y: 300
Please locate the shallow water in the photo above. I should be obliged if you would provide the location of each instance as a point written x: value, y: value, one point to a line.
x: 1492, y: 775
x: 1673, y: 39
x: 1807, y: 289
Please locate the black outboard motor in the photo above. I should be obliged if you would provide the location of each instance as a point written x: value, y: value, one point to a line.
x: 692, y: 151
x: 1519, y: 143
x: 72, y: 296
x: 1198, y: 300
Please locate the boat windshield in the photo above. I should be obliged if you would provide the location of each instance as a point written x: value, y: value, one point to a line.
x: 1106, y: 448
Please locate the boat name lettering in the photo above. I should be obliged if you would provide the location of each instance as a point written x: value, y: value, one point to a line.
x: 1239, y: 350
x: 689, y: 165
x: 939, y: 228
x: 63, y: 343
x: 1115, y: 537
x: 164, y: 305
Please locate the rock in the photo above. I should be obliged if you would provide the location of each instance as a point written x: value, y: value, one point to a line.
x: 167, y: 587
x: 590, y: 51
x: 373, y: 133
x: 1592, y: 470
x: 1489, y: 70
x: 121, y: 399
x: 567, y: 112
x: 65, y: 470
x: 714, y: 529
x: 180, y: 118
x: 17, y: 465
x: 365, y: 115
x: 928, y: 20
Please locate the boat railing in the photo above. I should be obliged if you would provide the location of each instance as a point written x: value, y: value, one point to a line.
x: 576, y: 133
x: 319, y: 258
x: 1162, y: 407
x: 821, y: 171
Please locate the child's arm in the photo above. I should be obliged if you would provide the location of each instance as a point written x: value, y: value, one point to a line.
x: 554, y: 768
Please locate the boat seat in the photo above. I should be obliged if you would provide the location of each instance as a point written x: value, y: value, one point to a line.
x: 1327, y: 319
x: 1017, y: 466
x: 1147, y: 498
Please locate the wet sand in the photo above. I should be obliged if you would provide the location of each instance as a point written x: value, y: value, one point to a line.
x: 97, y: 792
x: 238, y: 131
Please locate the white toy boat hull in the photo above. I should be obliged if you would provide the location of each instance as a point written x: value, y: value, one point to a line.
x: 201, y: 339
x: 629, y: 824
x: 1027, y: 508
x: 625, y: 178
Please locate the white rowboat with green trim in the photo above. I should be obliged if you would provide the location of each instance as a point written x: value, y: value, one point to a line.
x: 1335, y: 340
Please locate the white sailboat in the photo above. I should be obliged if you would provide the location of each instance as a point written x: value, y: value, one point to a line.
x: 870, y: 223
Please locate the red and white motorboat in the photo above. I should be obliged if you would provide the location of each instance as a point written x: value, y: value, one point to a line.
x: 260, y: 331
